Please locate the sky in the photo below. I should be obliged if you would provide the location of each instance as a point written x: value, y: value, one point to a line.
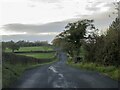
x: 35, y: 20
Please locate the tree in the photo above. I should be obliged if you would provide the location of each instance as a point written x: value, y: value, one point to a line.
x: 13, y: 46
x: 104, y: 49
x: 73, y: 35
x: 4, y: 46
x: 112, y: 44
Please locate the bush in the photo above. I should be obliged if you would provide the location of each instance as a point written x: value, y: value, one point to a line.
x: 104, y: 49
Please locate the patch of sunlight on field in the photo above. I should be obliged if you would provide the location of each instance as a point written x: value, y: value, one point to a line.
x: 39, y: 55
x: 35, y: 48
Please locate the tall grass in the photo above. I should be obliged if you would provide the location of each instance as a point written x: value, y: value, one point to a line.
x: 111, y: 71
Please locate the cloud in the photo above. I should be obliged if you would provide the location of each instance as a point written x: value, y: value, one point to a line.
x: 101, y: 17
x: 34, y: 29
x: 50, y: 30
x: 102, y: 21
x: 46, y: 11
x: 100, y: 6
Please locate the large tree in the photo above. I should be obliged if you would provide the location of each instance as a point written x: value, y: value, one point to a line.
x: 73, y: 35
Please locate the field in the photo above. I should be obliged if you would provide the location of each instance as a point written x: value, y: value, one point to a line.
x: 39, y: 55
x: 38, y: 48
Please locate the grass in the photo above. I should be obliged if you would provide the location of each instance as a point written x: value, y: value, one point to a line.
x: 12, y: 72
x: 110, y: 71
x: 35, y: 48
x: 0, y: 75
x: 39, y: 55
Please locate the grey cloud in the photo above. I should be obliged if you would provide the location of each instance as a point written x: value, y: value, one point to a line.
x: 101, y: 20
x: 32, y: 28
x: 92, y: 8
x: 109, y: 4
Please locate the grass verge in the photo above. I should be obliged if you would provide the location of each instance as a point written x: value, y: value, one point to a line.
x: 111, y: 71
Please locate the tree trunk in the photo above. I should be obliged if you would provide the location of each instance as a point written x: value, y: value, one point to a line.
x: 12, y: 50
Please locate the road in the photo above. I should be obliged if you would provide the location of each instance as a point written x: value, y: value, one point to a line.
x: 60, y: 75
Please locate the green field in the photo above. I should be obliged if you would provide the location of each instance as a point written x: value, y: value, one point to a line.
x: 39, y: 55
x: 35, y: 48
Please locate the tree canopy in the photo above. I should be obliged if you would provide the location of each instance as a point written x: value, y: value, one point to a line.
x: 71, y: 38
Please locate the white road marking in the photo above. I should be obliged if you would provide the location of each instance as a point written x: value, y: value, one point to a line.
x: 61, y: 75
x: 53, y: 69
x: 60, y: 83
